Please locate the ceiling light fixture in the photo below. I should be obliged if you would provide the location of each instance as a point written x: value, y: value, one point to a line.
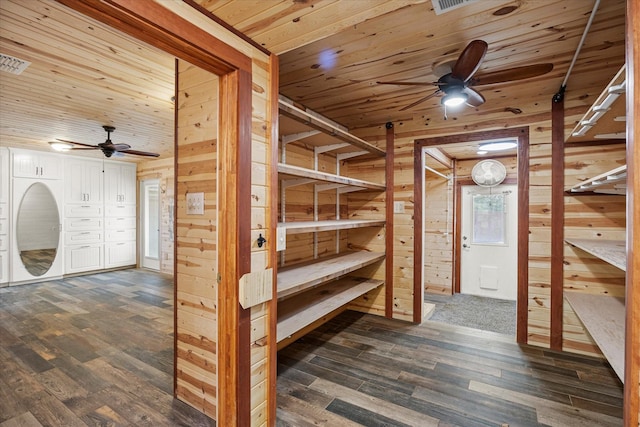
x: 481, y: 152
x: 60, y: 146
x: 454, y: 97
x: 498, y: 146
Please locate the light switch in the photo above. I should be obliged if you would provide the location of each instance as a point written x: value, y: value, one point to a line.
x: 398, y: 207
x: 281, y: 237
x: 195, y: 203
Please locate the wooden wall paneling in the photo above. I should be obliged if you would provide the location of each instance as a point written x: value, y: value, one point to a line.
x: 632, y: 342
x: 196, y: 331
x: 557, y: 220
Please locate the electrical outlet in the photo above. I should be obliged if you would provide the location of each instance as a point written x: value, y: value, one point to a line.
x: 195, y: 203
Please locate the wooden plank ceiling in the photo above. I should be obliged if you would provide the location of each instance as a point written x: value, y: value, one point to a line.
x: 332, y: 52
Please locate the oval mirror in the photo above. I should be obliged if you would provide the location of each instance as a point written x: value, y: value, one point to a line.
x: 38, y: 229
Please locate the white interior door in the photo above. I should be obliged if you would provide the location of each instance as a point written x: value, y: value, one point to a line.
x: 489, y: 241
x: 150, y: 224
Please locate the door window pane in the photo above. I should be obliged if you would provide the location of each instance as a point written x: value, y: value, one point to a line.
x: 489, y: 219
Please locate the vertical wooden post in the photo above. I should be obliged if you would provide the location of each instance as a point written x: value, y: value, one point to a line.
x: 389, y: 196
x: 234, y: 346
x: 418, y: 267
x: 557, y: 220
x: 632, y: 302
x: 272, y: 167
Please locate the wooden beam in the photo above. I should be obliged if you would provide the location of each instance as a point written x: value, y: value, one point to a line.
x: 557, y: 221
x: 418, y: 268
x: 522, y: 310
x: 632, y: 342
x: 439, y: 156
x: 272, y: 349
x: 389, y: 179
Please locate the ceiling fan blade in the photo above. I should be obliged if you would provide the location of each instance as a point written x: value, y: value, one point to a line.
x: 475, y: 98
x: 77, y: 143
x: 511, y: 74
x: 408, y: 83
x: 421, y: 100
x: 114, y: 147
x: 469, y: 60
x: 139, y: 153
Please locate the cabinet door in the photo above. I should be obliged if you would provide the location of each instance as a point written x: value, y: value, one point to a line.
x: 128, y: 189
x: 4, y: 267
x: 50, y: 166
x: 83, y: 258
x: 119, y: 254
x: 111, y: 183
x: 4, y: 175
x: 74, y: 185
x: 25, y: 165
x: 93, y: 178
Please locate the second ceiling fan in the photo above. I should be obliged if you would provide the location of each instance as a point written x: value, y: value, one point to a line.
x: 457, y: 84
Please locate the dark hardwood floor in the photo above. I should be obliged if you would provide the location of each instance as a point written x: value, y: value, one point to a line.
x: 93, y: 350
x: 97, y: 350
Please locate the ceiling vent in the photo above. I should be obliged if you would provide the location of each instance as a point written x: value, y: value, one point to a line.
x: 12, y: 65
x: 442, y: 6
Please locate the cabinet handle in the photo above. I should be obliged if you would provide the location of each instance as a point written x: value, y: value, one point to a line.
x: 85, y: 219
x: 41, y: 173
x: 86, y: 232
x: 84, y: 247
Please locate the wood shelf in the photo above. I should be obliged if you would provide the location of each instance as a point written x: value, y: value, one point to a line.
x: 604, y: 318
x: 301, y: 277
x: 612, y: 251
x: 328, y: 225
x: 606, y: 118
x: 313, y: 121
x: 611, y: 182
x: 298, y: 312
x: 301, y: 176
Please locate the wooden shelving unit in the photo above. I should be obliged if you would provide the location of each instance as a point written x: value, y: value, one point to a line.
x: 604, y: 318
x: 304, y: 309
x: 611, y: 251
x: 611, y: 182
x: 311, y: 291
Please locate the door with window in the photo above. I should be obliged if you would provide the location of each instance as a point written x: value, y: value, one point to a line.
x: 489, y: 241
x: 150, y: 224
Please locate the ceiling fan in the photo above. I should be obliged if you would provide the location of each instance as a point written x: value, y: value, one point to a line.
x: 107, y: 147
x: 457, y: 84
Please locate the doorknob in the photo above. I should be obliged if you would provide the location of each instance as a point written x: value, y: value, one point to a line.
x: 465, y: 246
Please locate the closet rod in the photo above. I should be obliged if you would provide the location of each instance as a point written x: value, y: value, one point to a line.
x: 437, y: 173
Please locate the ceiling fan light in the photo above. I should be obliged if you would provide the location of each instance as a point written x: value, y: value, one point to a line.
x: 60, y: 146
x: 498, y: 145
x: 453, y: 99
x: 481, y: 152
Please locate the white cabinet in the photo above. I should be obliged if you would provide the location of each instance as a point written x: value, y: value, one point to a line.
x: 4, y: 175
x: 118, y: 254
x: 120, y: 215
x: 35, y: 164
x: 83, y: 181
x: 83, y: 258
x: 4, y: 218
x: 120, y: 184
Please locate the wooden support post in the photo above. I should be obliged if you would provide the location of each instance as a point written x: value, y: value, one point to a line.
x: 557, y: 220
x: 632, y: 302
x: 389, y: 194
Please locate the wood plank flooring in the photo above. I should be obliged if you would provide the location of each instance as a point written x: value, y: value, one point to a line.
x: 97, y: 350
x: 93, y: 350
x: 366, y: 370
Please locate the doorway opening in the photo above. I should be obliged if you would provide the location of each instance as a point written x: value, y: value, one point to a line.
x: 472, y: 234
x: 150, y: 224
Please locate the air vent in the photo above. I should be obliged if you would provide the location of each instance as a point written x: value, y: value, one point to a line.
x: 12, y: 65
x: 442, y: 6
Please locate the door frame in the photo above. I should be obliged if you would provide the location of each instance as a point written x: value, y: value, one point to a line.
x: 143, y: 215
x: 522, y: 135
x: 152, y: 23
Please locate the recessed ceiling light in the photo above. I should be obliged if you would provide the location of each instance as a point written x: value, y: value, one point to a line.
x: 498, y: 145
